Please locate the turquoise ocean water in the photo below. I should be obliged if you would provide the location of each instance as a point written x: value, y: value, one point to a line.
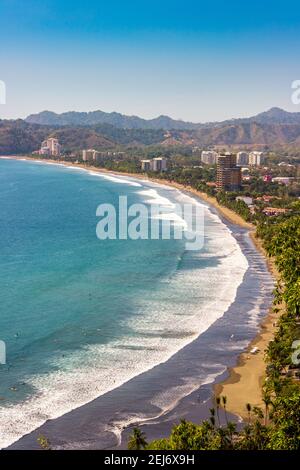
x: 81, y: 316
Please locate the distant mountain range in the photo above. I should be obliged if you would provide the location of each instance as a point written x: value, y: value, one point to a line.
x: 72, y: 118
x: 118, y: 120
x: 100, y: 130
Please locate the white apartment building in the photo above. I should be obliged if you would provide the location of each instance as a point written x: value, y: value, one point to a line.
x: 256, y: 158
x: 242, y: 158
x: 146, y: 165
x: 156, y: 164
x: 209, y: 157
x: 159, y: 164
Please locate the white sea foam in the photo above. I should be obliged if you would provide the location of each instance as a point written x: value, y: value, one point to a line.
x: 116, y: 179
x: 166, y: 207
x: 166, y: 401
x: 160, y: 330
x: 151, y: 196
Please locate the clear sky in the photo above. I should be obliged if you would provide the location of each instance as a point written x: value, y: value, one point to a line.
x: 194, y: 60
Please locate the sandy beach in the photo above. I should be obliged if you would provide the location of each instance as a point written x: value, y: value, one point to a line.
x: 244, y: 383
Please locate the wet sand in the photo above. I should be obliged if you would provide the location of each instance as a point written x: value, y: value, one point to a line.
x: 245, y: 381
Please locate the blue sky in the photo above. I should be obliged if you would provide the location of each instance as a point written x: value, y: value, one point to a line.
x: 194, y: 60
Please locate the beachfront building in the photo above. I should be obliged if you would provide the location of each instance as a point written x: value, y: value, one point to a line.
x: 242, y: 158
x: 146, y: 165
x: 89, y: 155
x: 156, y: 164
x: 228, y: 173
x: 50, y: 147
x: 159, y: 164
x: 256, y: 158
x: 209, y: 157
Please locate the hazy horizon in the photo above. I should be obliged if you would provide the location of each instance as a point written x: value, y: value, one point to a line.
x: 142, y: 117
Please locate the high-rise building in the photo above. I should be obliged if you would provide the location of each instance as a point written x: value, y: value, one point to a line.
x: 50, y: 147
x: 235, y: 179
x: 159, y: 164
x: 209, y: 157
x: 256, y: 158
x: 156, y: 164
x: 228, y: 173
x: 146, y: 165
x: 242, y: 158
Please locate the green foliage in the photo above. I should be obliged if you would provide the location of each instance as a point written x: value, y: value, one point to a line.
x: 277, y: 427
x: 240, y: 207
x: 189, y: 436
x: 43, y: 442
x: 281, y: 433
x: 137, y: 440
x: 286, y: 422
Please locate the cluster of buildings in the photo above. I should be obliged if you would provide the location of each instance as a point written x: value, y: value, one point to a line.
x: 229, y: 175
x: 89, y: 155
x: 229, y: 166
x: 92, y: 155
x: 270, y: 211
x: 250, y: 158
x: 275, y: 211
x: 210, y: 157
x: 156, y: 164
x: 285, y: 180
x: 50, y: 147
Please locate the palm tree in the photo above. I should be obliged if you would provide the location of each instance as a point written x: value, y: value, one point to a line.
x: 258, y: 412
x: 137, y: 440
x: 267, y: 402
x: 224, y: 401
x: 212, y: 416
x: 248, y: 406
x: 231, y: 429
x: 218, y: 401
x: 225, y: 438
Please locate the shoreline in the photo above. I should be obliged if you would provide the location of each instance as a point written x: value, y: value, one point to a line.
x: 229, y: 215
x: 246, y: 377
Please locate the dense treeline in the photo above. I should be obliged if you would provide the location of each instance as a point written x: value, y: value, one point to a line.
x: 281, y: 240
x: 238, y: 206
x: 277, y: 426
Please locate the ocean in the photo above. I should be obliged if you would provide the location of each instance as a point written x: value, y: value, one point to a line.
x: 82, y: 317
